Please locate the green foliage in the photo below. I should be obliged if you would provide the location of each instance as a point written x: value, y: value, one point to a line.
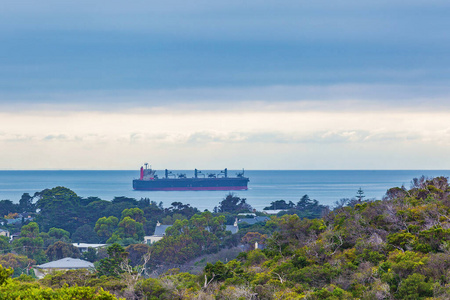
x: 330, y: 292
x: 187, y: 239
x: 395, y: 248
x: 111, y: 266
x: 5, y: 274
x: 30, y: 243
x: 136, y: 214
x: 105, y: 227
x: 136, y: 253
x: 7, y: 207
x: 280, y: 204
x: 255, y: 257
x: 85, y: 234
x: 5, y: 247
x: 19, y: 263
x: 90, y: 255
x: 415, y: 287
x: 59, y: 208
x: 27, y: 291
x: 59, y: 233
x: 233, y: 204
x: 151, y: 288
x: 402, y: 240
x: 61, y: 250
x: 128, y: 228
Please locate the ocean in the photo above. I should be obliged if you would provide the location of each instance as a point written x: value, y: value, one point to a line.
x: 264, y: 186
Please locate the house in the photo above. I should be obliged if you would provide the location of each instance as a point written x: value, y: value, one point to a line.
x: 64, y: 264
x: 19, y: 218
x: 4, y: 232
x: 233, y: 228
x: 83, y: 247
x: 160, y: 231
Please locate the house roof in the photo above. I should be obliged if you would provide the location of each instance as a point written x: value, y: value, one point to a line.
x: 67, y: 263
x: 160, y: 230
x: 3, y: 230
x: 86, y: 245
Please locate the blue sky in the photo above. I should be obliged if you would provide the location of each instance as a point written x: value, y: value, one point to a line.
x: 345, y: 84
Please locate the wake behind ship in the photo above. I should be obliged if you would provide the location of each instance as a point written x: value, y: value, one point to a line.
x: 149, y: 181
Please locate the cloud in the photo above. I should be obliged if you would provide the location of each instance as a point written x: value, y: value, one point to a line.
x: 60, y: 137
x: 342, y: 97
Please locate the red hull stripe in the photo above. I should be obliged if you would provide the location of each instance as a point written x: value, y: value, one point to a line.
x: 214, y: 188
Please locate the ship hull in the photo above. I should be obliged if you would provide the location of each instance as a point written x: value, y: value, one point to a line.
x: 192, y: 184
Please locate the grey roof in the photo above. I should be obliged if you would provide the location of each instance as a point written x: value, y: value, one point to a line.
x: 14, y: 221
x: 232, y: 228
x: 161, y: 230
x: 254, y: 220
x: 67, y: 263
x: 3, y: 230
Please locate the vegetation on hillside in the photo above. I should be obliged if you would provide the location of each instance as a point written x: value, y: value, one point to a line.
x: 394, y: 248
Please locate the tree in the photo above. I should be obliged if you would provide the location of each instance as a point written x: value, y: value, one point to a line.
x: 90, y: 255
x: 110, y: 266
x: 30, y: 243
x: 31, y: 230
x: 136, y: 253
x: 123, y: 199
x: 187, y: 239
x: 305, y: 203
x: 61, y: 250
x: 54, y: 235
x: 4, y: 244
x: 128, y: 228
x: 233, y: 204
x: 105, y: 227
x: 60, y: 207
x: 5, y: 274
x: 59, y: 234
x: 26, y: 203
x: 280, y: 204
x: 85, y: 234
x: 250, y: 238
x: 136, y: 214
x: 360, y: 195
x: 19, y: 263
x: 7, y: 206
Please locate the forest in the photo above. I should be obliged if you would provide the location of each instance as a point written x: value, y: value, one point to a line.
x: 397, y: 247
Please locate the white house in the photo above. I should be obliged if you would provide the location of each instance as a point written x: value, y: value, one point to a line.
x: 160, y: 231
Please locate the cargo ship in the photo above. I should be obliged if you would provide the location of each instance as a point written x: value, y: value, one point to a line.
x: 149, y: 181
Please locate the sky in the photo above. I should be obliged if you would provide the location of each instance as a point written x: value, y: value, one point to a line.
x: 323, y: 85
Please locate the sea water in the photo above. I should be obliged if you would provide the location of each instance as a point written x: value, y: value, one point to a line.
x: 264, y: 186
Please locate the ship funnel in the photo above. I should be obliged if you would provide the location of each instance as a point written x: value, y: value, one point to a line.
x: 142, y: 173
